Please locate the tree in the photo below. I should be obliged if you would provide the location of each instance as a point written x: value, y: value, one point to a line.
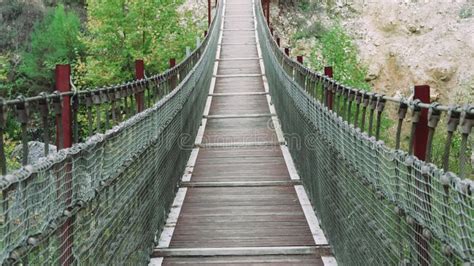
x: 55, y: 40
x: 121, y: 31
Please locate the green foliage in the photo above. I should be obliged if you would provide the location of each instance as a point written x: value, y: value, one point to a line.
x: 55, y: 40
x: 466, y: 11
x: 3, y: 68
x: 304, y: 5
x: 122, y: 31
x: 337, y: 50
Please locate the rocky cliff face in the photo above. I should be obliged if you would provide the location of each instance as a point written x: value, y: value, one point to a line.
x: 18, y: 17
x: 403, y: 43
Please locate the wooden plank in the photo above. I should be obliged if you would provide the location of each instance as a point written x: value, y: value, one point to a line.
x: 238, y: 94
x: 239, y: 58
x: 238, y: 144
x: 240, y: 29
x: 261, y: 163
x: 238, y: 67
x: 247, y: 260
x: 233, y: 51
x: 238, y: 116
x: 236, y: 216
x: 240, y: 44
x: 241, y: 251
x: 226, y: 85
x: 238, y: 75
x: 240, y: 184
x: 239, y: 105
x: 240, y: 130
x: 238, y: 16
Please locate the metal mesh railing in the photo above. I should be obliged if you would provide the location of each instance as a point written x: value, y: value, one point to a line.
x: 103, y: 201
x: 377, y: 205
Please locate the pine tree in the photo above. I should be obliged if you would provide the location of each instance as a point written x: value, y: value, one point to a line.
x: 55, y: 40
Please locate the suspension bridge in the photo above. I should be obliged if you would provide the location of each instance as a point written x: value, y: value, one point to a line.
x: 237, y: 155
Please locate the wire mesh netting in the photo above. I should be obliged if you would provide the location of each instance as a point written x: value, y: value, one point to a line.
x: 103, y: 201
x: 378, y: 206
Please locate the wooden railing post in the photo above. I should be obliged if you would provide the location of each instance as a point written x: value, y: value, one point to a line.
x: 62, y: 77
x: 420, y: 140
x: 140, y: 74
x: 329, y: 99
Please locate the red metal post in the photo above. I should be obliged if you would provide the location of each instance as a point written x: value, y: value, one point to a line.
x: 267, y: 11
x: 299, y: 77
x: 420, y: 141
x: 328, y: 72
x: 299, y: 58
x: 205, y: 33
x: 422, y: 93
x: 278, y: 41
x: 271, y: 31
x: 63, y: 76
x: 287, y: 51
x: 173, y: 78
x: 140, y: 74
x: 208, y: 13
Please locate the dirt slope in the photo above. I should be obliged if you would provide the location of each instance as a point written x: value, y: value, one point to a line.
x: 403, y: 43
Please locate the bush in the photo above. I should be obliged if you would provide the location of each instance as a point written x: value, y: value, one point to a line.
x: 336, y: 49
x: 466, y: 11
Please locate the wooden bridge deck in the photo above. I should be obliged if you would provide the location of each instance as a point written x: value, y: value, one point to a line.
x: 239, y: 203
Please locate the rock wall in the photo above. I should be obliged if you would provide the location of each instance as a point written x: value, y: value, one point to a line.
x: 403, y: 43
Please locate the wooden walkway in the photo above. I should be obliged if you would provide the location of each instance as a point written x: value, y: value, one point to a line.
x: 241, y: 201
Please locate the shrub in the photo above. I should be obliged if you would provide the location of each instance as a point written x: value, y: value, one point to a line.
x: 336, y: 49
